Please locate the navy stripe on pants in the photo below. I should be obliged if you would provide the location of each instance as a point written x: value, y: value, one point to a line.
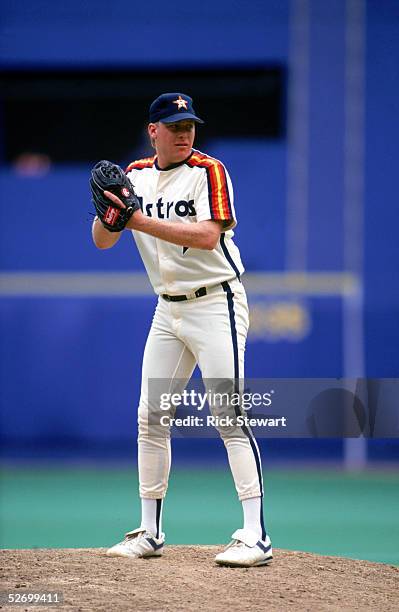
x: 230, y: 303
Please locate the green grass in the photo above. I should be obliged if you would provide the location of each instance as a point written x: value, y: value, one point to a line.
x: 331, y: 513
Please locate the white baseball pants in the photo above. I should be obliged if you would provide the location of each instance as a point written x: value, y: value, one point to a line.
x: 209, y: 331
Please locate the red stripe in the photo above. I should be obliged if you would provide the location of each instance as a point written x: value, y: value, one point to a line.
x: 139, y: 164
x: 220, y: 199
x: 216, y: 212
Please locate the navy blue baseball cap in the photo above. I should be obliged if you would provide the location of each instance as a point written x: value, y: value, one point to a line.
x: 172, y: 107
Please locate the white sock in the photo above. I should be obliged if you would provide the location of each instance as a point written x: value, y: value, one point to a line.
x: 151, y: 515
x: 252, y: 509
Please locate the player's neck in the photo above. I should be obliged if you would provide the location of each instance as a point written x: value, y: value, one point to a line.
x: 163, y: 163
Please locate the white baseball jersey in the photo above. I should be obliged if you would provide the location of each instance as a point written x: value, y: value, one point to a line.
x: 197, y: 189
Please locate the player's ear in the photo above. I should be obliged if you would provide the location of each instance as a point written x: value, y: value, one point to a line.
x: 152, y: 129
x: 152, y: 132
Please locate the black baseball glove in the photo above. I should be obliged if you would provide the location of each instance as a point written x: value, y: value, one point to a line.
x: 107, y: 176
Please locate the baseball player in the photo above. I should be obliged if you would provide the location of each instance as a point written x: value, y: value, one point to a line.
x: 183, y: 230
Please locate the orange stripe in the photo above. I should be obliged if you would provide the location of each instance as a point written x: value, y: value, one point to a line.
x: 217, y: 209
x: 219, y: 188
x: 221, y: 196
x: 139, y: 164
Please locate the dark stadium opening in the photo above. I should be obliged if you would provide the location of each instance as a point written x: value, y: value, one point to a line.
x: 82, y: 116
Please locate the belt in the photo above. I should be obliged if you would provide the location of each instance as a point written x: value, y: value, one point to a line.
x: 196, y: 294
x: 190, y: 296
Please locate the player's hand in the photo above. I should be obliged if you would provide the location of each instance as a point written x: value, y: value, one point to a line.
x: 117, y: 201
x: 136, y: 220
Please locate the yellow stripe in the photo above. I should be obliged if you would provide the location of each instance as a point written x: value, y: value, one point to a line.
x: 214, y: 165
x: 219, y: 193
x: 145, y: 160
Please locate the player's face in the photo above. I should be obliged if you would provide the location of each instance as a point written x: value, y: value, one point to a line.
x: 173, y: 141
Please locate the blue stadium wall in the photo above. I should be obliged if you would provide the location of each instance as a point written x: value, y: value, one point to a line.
x: 59, y: 360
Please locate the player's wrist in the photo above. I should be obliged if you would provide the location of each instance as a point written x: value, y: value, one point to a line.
x: 137, y: 221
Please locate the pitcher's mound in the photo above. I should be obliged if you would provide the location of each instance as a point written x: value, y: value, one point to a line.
x: 187, y: 579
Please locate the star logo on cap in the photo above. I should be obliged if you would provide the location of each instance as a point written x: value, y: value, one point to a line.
x: 180, y: 103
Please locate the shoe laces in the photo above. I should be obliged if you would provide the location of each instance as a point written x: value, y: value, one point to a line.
x: 238, y: 544
x: 134, y: 536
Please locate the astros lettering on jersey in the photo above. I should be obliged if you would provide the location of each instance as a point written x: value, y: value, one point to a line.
x: 197, y: 189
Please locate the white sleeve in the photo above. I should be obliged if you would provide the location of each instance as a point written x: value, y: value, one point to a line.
x: 214, y: 197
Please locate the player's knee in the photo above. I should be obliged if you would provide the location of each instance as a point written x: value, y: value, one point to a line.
x: 152, y: 423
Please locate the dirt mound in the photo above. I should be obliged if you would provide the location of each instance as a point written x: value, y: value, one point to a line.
x: 186, y: 578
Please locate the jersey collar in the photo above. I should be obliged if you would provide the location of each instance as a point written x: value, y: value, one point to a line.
x: 172, y: 166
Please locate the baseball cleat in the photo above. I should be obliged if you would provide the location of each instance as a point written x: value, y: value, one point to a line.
x: 246, y: 550
x: 138, y: 543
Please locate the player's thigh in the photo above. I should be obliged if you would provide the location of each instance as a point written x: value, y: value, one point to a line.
x: 221, y: 360
x: 167, y: 362
x: 219, y: 335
